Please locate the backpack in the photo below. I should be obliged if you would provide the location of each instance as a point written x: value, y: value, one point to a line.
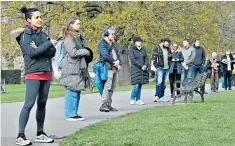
x: 59, y: 56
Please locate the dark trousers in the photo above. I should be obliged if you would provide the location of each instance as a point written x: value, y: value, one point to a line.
x: 227, y: 79
x: 34, y: 89
x: 172, y: 78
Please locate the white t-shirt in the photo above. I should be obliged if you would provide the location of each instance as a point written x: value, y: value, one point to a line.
x: 229, y: 63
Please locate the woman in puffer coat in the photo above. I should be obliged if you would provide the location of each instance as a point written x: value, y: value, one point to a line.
x: 139, y: 69
x: 75, y: 76
x: 37, y: 49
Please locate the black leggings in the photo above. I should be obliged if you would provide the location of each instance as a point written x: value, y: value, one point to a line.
x: 34, y: 88
x: 172, y: 78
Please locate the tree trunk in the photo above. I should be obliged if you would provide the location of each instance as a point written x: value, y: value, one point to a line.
x: 124, y: 75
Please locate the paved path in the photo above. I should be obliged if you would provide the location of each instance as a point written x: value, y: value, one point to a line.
x: 55, y: 123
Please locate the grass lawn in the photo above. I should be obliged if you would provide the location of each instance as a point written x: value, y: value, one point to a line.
x: 16, y: 93
x: 200, y: 124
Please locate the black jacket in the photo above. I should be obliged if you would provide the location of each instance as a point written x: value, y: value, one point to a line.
x: 36, y: 59
x: 224, y: 64
x: 138, y: 59
x: 200, y: 57
x: 157, y: 57
x: 177, y: 64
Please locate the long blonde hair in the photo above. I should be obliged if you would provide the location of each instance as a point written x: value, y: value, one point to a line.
x: 68, y: 30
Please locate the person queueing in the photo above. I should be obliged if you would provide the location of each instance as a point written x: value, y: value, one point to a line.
x: 161, y: 60
x: 75, y: 76
x: 109, y: 55
x: 139, y: 69
x: 37, y: 49
x: 227, y: 62
x: 175, y: 68
x: 213, y: 67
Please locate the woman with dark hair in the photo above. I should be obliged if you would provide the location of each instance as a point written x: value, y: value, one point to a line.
x: 139, y: 69
x: 75, y: 76
x: 37, y: 49
x: 227, y: 62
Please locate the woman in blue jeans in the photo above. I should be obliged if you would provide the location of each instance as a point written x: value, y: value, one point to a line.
x: 75, y: 76
x: 139, y: 69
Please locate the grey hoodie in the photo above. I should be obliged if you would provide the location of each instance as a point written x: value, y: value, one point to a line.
x: 189, y: 55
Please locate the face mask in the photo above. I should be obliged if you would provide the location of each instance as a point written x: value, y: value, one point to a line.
x: 138, y: 47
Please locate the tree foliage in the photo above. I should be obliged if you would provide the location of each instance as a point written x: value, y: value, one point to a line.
x: 212, y: 22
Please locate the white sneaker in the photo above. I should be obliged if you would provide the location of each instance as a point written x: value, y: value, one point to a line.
x: 44, y: 138
x: 23, y: 141
x: 76, y: 118
x: 156, y: 99
x: 132, y: 102
x: 160, y: 99
x: 164, y: 99
x: 140, y: 102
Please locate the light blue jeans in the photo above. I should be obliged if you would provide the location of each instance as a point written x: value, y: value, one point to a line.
x: 161, y: 79
x: 136, y: 92
x: 187, y: 74
x: 222, y: 82
x: 71, y: 103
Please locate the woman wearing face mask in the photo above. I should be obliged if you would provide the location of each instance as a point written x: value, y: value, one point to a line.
x: 139, y: 69
x: 37, y: 50
x: 227, y: 62
x: 75, y: 76
x: 175, y: 68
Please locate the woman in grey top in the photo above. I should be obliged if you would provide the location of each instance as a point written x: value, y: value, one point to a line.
x: 75, y: 75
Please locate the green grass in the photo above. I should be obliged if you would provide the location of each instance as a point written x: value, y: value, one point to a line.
x: 199, y: 124
x: 16, y: 93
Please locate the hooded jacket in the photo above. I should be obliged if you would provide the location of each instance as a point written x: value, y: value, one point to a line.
x: 35, y: 59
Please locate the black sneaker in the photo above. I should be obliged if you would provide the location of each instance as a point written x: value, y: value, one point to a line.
x: 112, y: 108
x: 76, y: 118
x: 21, y: 140
x: 104, y: 108
x: 43, y: 138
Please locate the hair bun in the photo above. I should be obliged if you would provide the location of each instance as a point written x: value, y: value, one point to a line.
x: 24, y: 9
